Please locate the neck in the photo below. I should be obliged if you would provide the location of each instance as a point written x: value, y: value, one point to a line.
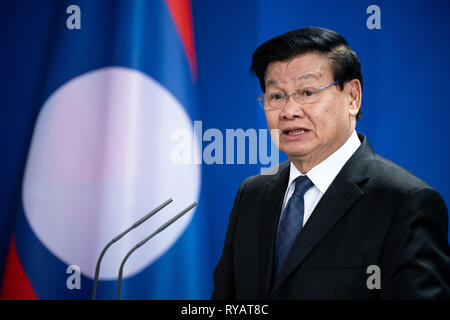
x: 305, y: 163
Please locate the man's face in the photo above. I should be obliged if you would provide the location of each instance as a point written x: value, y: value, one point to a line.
x: 327, y: 123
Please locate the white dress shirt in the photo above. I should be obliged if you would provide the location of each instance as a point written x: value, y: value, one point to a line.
x: 322, y: 175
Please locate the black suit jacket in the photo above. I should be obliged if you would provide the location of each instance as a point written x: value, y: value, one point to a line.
x: 373, y: 213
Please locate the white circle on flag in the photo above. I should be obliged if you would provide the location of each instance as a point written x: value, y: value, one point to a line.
x: 100, y: 159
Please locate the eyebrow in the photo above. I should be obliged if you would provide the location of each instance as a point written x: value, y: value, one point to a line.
x: 309, y: 76
x: 306, y: 76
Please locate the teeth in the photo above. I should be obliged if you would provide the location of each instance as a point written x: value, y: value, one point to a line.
x: 296, y: 131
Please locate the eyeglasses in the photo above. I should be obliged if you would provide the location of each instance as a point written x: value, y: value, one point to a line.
x: 277, y: 100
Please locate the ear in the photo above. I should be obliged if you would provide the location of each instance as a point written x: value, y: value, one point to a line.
x: 354, y: 96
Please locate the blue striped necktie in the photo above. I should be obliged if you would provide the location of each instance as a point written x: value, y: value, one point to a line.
x: 291, y: 221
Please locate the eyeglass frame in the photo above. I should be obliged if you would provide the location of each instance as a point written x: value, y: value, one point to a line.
x: 287, y: 95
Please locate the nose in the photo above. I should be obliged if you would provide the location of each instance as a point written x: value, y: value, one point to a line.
x: 292, y: 109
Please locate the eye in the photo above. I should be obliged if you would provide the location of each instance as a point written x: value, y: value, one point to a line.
x: 276, y: 96
x: 308, y: 92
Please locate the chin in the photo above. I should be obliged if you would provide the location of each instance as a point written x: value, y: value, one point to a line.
x: 295, y: 153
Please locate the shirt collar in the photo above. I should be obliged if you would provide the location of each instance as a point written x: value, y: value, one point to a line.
x: 323, y: 174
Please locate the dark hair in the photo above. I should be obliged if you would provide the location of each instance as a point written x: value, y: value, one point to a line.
x: 344, y: 64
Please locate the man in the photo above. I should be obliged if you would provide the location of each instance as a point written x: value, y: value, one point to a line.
x: 336, y: 221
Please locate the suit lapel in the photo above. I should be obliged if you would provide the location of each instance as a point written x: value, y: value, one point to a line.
x: 271, y: 207
x: 340, y: 196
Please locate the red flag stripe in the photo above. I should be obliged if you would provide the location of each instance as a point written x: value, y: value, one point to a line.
x: 16, y: 285
x: 182, y: 16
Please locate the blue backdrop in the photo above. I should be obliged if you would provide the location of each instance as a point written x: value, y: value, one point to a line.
x: 404, y: 64
x: 404, y: 106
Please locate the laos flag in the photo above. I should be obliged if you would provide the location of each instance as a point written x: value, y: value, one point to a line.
x: 107, y: 86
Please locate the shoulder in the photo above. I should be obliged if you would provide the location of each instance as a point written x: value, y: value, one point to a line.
x: 387, y: 187
x: 380, y: 175
x: 388, y: 173
x: 276, y: 173
x: 393, y: 186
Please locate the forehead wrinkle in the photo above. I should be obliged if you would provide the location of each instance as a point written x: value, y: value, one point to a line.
x: 282, y: 74
x: 306, y: 76
x: 310, y: 75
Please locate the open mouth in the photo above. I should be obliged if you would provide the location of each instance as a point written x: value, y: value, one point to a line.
x: 292, y: 132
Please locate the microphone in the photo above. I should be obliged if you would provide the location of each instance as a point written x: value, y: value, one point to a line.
x: 164, y: 226
x: 136, y: 224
